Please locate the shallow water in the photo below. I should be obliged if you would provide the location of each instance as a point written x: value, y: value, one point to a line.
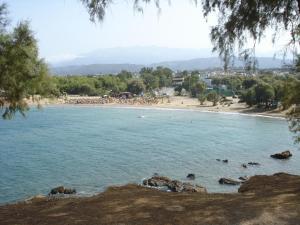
x: 91, y: 148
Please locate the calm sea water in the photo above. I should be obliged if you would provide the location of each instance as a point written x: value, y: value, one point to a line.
x: 91, y: 148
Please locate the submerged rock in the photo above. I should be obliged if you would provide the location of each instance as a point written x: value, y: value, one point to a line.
x: 228, y: 181
x: 191, y: 176
x: 282, y: 155
x: 244, y: 165
x: 225, y: 160
x: 62, y: 190
x: 253, y: 163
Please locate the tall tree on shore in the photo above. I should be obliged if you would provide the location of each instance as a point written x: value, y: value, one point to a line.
x: 22, y: 73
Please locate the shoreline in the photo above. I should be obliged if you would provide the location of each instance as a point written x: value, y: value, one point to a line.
x: 172, y: 108
x: 263, y: 199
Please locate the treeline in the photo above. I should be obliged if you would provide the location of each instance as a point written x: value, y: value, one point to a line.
x: 148, y: 79
x: 264, y: 90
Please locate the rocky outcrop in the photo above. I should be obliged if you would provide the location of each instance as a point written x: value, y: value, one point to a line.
x: 282, y: 155
x: 279, y: 182
x: 228, y: 181
x: 172, y: 185
x: 253, y: 164
x: 62, y: 190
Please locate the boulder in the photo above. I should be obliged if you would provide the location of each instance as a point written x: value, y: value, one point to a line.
x: 69, y: 191
x: 172, y: 185
x: 62, y: 190
x: 57, y: 190
x: 187, y: 187
x: 228, y: 181
x: 282, y: 155
x: 218, y: 160
x: 175, y: 186
x: 157, y: 181
x: 225, y: 160
x: 191, y: 176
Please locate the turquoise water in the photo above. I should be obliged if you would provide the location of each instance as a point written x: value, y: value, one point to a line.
x: 91, y: 148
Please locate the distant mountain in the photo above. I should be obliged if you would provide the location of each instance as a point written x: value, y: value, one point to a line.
x: 193, y: 64
x: 94, y: 69
x: 135, y: 55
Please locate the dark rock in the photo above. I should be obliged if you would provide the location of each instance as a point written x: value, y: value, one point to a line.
x: 175, y: 186
x: 69, y: 191
x: 244, y: 178
x: 225, y: 160
x: 187, y: 187
x: 157, y: 181
x: 62, y: 190
x: 282, y: 155
x: 57, y: 190
x: 229, y: 181
x: 172, y: 185
x: 244, y: 165
x: 218, y: 160
x: 253, y: 163
x: 191, y: 176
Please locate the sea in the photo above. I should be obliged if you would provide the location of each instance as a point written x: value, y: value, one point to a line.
x: 90, y: 148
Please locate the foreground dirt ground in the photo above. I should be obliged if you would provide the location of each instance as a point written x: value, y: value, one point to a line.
x: 261, y: 200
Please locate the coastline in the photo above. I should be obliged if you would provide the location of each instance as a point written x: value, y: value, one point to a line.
x: 262, y: 199
x: 175, y: 103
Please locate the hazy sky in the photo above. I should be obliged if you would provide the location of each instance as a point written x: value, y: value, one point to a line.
x: 63, y: 28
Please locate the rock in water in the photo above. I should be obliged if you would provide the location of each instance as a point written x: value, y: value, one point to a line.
x: 62, y: 190
x: 191, y: 176
x: 244, y: 178
x: 57, y: 190
x: 253, y: 163
x: 282, y: 155
x: 173, y: 185
x: 228, y: 181
x: 187, y: 187
x: 69, y: 191
x: 157, y: 181
x: 225, y: 160
x: 244, y: 165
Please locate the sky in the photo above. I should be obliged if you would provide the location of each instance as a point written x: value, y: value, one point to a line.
x: 64, y: 31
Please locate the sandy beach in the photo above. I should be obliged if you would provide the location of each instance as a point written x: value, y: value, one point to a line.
x: 175, y: 102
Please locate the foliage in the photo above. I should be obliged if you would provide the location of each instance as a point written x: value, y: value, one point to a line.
x: 198, y: 89
x: 158, y: 78
x: 201, y: 98
x: 213, y: 97
x: 136, y: 86
x: 22, y: 73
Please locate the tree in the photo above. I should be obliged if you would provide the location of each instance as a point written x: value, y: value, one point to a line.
x: 249, y: 96
x: 150, y: 81
x: 201, y: 98
x: 264, y: 93
x: 136, y: 86
x: 198, y: 89
x: 22, y: 72
x: 213, y: 97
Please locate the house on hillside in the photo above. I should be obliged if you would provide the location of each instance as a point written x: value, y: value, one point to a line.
x: 177, y: 81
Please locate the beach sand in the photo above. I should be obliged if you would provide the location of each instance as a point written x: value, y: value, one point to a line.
x: 175, y: 102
